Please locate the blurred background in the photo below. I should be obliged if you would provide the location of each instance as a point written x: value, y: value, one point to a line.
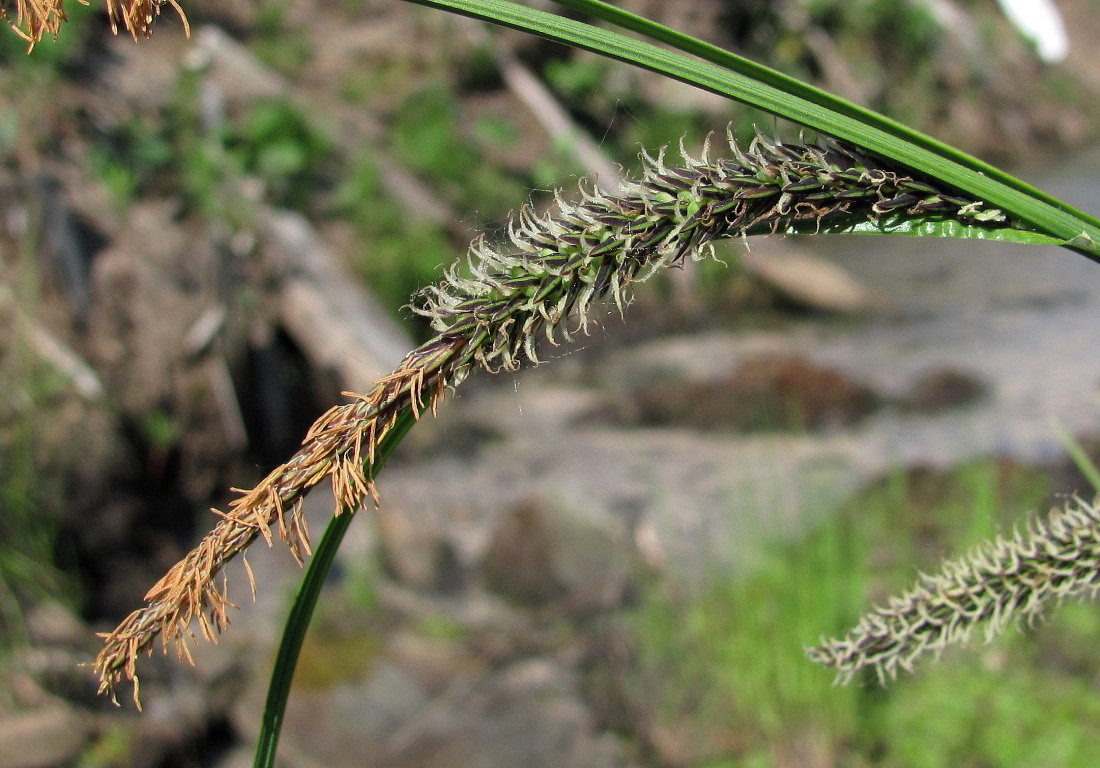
x: 614, y: 559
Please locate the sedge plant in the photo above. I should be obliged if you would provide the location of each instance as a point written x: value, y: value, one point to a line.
x: 867, y: 174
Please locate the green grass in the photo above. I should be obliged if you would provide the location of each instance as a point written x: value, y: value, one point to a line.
x: 427, y: 137
x: 727, y: 659
x: 276, y: 42
x: 30, y: 526
x: 278, y: 143
x: 396, y: 254
x: 32, y: 567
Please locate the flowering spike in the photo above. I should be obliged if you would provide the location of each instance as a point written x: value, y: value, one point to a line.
x: 492, y: 314
x: 35, y: 19
x: 1012, y: 578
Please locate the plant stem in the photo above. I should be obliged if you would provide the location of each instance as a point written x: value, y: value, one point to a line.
x: 297, y: 623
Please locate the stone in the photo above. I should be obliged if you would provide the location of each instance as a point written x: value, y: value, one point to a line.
x: 352, y: 723
x: 50, y: 623
x: 808, y: 280
x: 416, y: 553
x: 528, y: 714
x: 519, y: 562
x: 548, y: 550
x: 942, y: 388
x: 52, y: 735
x: 763, y: 393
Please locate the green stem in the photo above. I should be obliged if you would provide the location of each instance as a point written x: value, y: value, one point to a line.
x: 305, y: 601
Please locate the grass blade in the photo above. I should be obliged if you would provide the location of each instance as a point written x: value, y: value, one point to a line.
x: 750, y: 83
x: 1078, y: 455
x: 914, y: 226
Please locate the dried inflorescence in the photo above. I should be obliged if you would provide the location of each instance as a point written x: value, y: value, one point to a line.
x: 138, y: 16
x: 1008, y: 580
x: 339, y: 446
x: 495, y: 313
x: 34, y: 19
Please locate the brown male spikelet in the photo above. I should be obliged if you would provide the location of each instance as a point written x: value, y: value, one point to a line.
x: 34, y: 19
x: 493, y: 312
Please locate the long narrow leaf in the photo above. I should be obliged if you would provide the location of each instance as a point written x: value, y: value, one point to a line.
x: 787, y: 84
x: 922, y: 226
x: 781, y: 96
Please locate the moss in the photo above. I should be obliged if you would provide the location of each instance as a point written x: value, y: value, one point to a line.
x: 334, y: 652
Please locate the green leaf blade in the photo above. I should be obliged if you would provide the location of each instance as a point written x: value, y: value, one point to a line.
x: 774, y: 92
x: 918, y: 226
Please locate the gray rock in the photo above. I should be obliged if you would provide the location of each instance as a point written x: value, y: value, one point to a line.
x: 520, y: 560
x: 550, y: 549
x: 52, y: 735
x: 529, y: 714
x: 807, y: 279
x: 348, y: 725
x: 416, y: 553
x: 51, y: 623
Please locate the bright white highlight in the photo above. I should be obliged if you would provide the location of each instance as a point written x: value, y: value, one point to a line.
x: 1041, y: 23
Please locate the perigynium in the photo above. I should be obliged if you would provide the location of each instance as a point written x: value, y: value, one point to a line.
x: 1007, y: 580
x: 494, y: 311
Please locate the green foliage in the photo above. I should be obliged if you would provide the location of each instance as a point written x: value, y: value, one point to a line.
x: 426, y: 137
x: 725, y: 653
x: 29, y: 527
x: 275, y: 43
x: 560, y: 162
x: 440, y: 627
x: 113, y: 747
x: 160, y: 431
x: 162, y: 153
x: 1007, y: 714
x: 494, y: 131
x: 277, y: 143
x: 624, y: 119
x: 398, y: 253
x: 171, y: 152
x: 905, y: 32
x: 129, y: 159
x: 577, y: 78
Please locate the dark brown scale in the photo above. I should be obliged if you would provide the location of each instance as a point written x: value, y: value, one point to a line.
x: 901, y: 201
x: 803, y: 185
